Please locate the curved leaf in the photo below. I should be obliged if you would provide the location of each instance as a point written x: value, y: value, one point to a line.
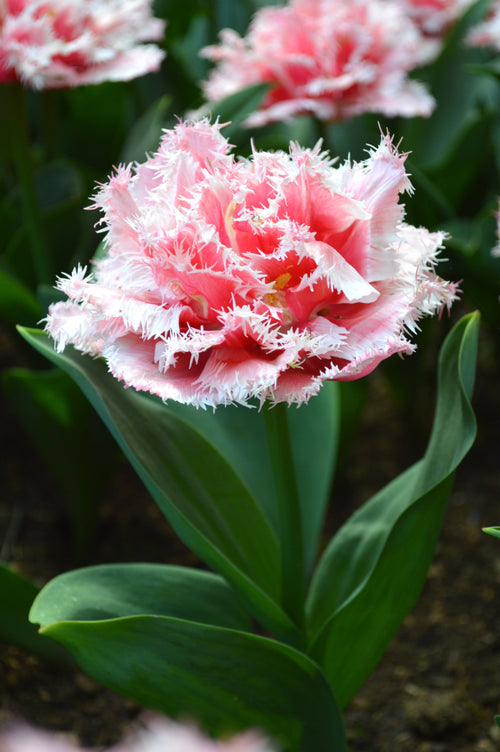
x: 494, y: 531
x: 375, y: 566
x: 227, y: 680
x: 110, y: 591
x: 204, y: 500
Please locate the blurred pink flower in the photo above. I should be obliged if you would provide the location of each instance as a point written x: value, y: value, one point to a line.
x: 487, y: 33
x: 53, y: 44
x: 496, y: 249
x: 159, y: 735
x: 330, y: 58
x: 26, y: 739
x: 226, y: 280
x: 434, y: 17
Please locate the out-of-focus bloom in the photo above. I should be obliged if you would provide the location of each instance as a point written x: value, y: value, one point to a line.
x: 53, y: 44
x: 434, y: 17
x: 496, y: 249
x: 487, y: 33
x: 25, y: 739
x: 226, y: 280
x: 163, y: 736
x: 330, y: 58
x: 159, y: 735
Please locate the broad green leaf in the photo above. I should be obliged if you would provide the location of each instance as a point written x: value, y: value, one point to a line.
x: 16, y: 596
x: 69, y: 437
x: 495, y: 531
x: 375, y: 566
x: 240, y: 436
x: 226, y: 679
x: 204, y: 500
x: 17, y: 302
x: 314, y: 430
x: 111, y: 591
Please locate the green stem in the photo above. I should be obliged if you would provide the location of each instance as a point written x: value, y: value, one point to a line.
x: 21, y: 153
x: 289, y: 511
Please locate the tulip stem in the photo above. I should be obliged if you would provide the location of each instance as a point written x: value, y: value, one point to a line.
x: 289, y: 512
x: 21, y: 151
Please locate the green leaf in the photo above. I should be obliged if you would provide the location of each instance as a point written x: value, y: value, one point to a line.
x: 375, y: 566
x: 16, y: 596
x: 227, y: 679
x: 240, y: 436
x: 495, y: 531
x: 207, y: 504
x: 69, y: 437
x: 111, y: 591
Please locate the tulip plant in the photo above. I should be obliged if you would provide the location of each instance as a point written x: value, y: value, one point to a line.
x: 228, y: 299
x: 233, y: 284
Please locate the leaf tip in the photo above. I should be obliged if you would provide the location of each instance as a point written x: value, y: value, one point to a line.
x: 495, y: 531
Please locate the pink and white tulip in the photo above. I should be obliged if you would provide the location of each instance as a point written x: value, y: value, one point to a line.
x: 159, y: 735
x: 53, y: 44
x: 330, y: 58
x: 228, y: 280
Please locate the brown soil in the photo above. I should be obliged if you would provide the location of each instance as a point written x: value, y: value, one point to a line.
x: 437, y: 687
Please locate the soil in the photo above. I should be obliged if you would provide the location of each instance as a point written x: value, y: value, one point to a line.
x: 437, y: 687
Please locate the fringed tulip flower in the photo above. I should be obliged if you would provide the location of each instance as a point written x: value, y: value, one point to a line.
x: 434, y: 17
x: 228, y: 280
x: 330, y: 58
x: 49, y: 44
x: 487, y: 33
x: 159, y: 735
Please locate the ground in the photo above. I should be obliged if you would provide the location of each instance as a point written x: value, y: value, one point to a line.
x: 436, y: 689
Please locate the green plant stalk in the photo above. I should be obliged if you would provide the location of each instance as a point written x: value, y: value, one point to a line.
x: 17, y: 123
x: 289, y: 512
